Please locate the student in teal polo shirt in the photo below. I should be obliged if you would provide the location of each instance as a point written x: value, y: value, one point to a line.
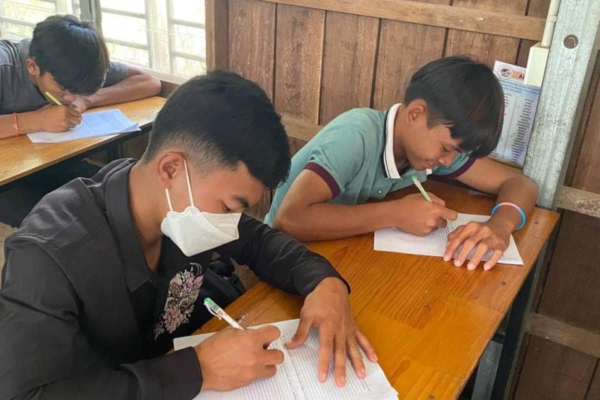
x: 451, y: 119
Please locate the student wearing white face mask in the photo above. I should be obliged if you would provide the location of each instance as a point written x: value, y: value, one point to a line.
x: 106, y: 271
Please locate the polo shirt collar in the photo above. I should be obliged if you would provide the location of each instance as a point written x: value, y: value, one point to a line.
x: 389, y: 161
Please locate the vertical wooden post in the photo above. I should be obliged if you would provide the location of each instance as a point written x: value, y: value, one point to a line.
x: 570, y: 62
x: 217, y: 34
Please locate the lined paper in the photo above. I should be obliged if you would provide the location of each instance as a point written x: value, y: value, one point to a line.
x: 296, y: 378
x: 96, y: 124
x: 434, y: 244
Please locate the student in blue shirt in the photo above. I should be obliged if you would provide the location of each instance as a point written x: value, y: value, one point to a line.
x: 450, y: 120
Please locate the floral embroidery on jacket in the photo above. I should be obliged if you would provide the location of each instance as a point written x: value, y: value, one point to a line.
x: 183, y: 293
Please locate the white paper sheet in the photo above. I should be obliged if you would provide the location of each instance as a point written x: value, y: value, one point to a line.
x: 296, y: 378
x: 100, y: 123
x: 434, y: 244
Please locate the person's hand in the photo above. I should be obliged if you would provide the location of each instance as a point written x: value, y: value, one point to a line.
x: 327, y: 308
x: 58, y: 118
x: 80, y: 103
x: 234, y: 358
x: 482, y: 236
x: 416, y: 215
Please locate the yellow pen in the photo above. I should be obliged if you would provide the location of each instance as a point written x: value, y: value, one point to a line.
x: 54, y: 99
x: 420, y: 187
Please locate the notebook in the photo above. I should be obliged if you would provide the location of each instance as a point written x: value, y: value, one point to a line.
x: 296, y: 378
x: 434, y: 244
x: 95, y: 124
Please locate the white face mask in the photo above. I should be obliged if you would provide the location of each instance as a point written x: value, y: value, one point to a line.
x: 194, y: 231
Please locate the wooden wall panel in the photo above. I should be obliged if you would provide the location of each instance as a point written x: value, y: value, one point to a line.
x: 403, y: 49
x: 552, y: 371
x: 537, y: 8
x: 348, y: 63
x: 571, y: 292
x: 587, y: 172
x: 486, y: 48
x: 594, y: 389
x: 298, y: 61
x: 252, y: 41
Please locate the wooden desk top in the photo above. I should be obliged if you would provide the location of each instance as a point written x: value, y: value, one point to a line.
x: 428, y: 320
x: 20, y: 157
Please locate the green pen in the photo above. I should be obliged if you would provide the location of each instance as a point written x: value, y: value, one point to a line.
x: 218, y: 312
x: 54, y: 99
x: 420, y: 187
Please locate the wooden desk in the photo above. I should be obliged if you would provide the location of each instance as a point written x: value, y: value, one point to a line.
x: 20, y: 157
x: 428, y: 320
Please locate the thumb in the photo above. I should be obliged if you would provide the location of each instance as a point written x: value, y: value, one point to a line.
x: 301, y: 334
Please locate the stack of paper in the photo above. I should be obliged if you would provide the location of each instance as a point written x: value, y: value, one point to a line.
x: 434, y: 244
x: 100, y: 123
x: 296, y: 378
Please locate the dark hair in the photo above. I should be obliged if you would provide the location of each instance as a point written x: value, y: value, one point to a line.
x: 219, y: 119
x: 72, y: 51
x: 466, y: 96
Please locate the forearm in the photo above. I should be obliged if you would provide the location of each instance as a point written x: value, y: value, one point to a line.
x: 325, y: 221
x: 27, y: 122
x: 133, y: 88
x: 521, y: 191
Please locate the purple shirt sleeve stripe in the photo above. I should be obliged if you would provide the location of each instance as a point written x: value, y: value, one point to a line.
x: 326, y: 176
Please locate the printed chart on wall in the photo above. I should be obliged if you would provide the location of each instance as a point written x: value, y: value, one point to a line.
x: 520, y: 104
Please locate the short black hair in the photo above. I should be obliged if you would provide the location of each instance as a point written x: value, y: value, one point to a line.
x: 220, y: 119
x: 72, y: 51
x: 466, y: 96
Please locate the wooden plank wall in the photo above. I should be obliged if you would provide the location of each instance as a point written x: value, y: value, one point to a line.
x: 569, y: 291
x: 315, y: 63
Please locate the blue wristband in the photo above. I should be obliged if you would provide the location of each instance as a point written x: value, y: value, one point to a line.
x: 516, y: 207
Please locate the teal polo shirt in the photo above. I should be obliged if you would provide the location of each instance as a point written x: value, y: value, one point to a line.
x: 353, y: 154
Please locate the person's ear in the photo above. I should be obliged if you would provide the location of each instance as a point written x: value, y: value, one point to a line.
x: 32, y: 68
x: 170, y: 166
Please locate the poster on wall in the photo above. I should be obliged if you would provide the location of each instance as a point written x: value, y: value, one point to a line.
x: 520, y: 104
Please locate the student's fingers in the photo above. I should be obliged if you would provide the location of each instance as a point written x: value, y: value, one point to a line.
x: 356, y: 358
x: 325, y: 353
x: 436, y: 200
x: 267, y: 371
x: 265, y: 335
x: 441, y: 223
x: 482, y: 249
x: 339, y: 361
x: 467, y: 246
x: 447, y: 213
x: 364, y: 344
x: 493, y: 260
x: 73, y: 111
x: 455, y: 239
x: 272, y: 357
x: 301, y: 334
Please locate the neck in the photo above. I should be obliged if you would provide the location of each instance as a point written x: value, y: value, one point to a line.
x: 399, y: 153
x: 146, y: 222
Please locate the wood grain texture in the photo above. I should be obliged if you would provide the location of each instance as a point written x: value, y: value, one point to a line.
x: 564, y: 334
x: 580, y: 201
x: 493, y: 22
x: 348, y: 63
x: 216, y: 18
x: 252, y: 41
x: 403, y: 49
x: 571, y: 292
x: 298, y: 61
x: 552, y: 371
x: 536, y: 8
x: 20, y: 157
x: 429, y: 321
x: 485, y: 47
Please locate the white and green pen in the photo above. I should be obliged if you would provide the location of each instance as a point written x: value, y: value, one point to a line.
x: 421, y: 189
x: 218, y: 312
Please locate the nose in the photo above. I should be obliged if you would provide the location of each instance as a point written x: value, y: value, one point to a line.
x: 446, y: 161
